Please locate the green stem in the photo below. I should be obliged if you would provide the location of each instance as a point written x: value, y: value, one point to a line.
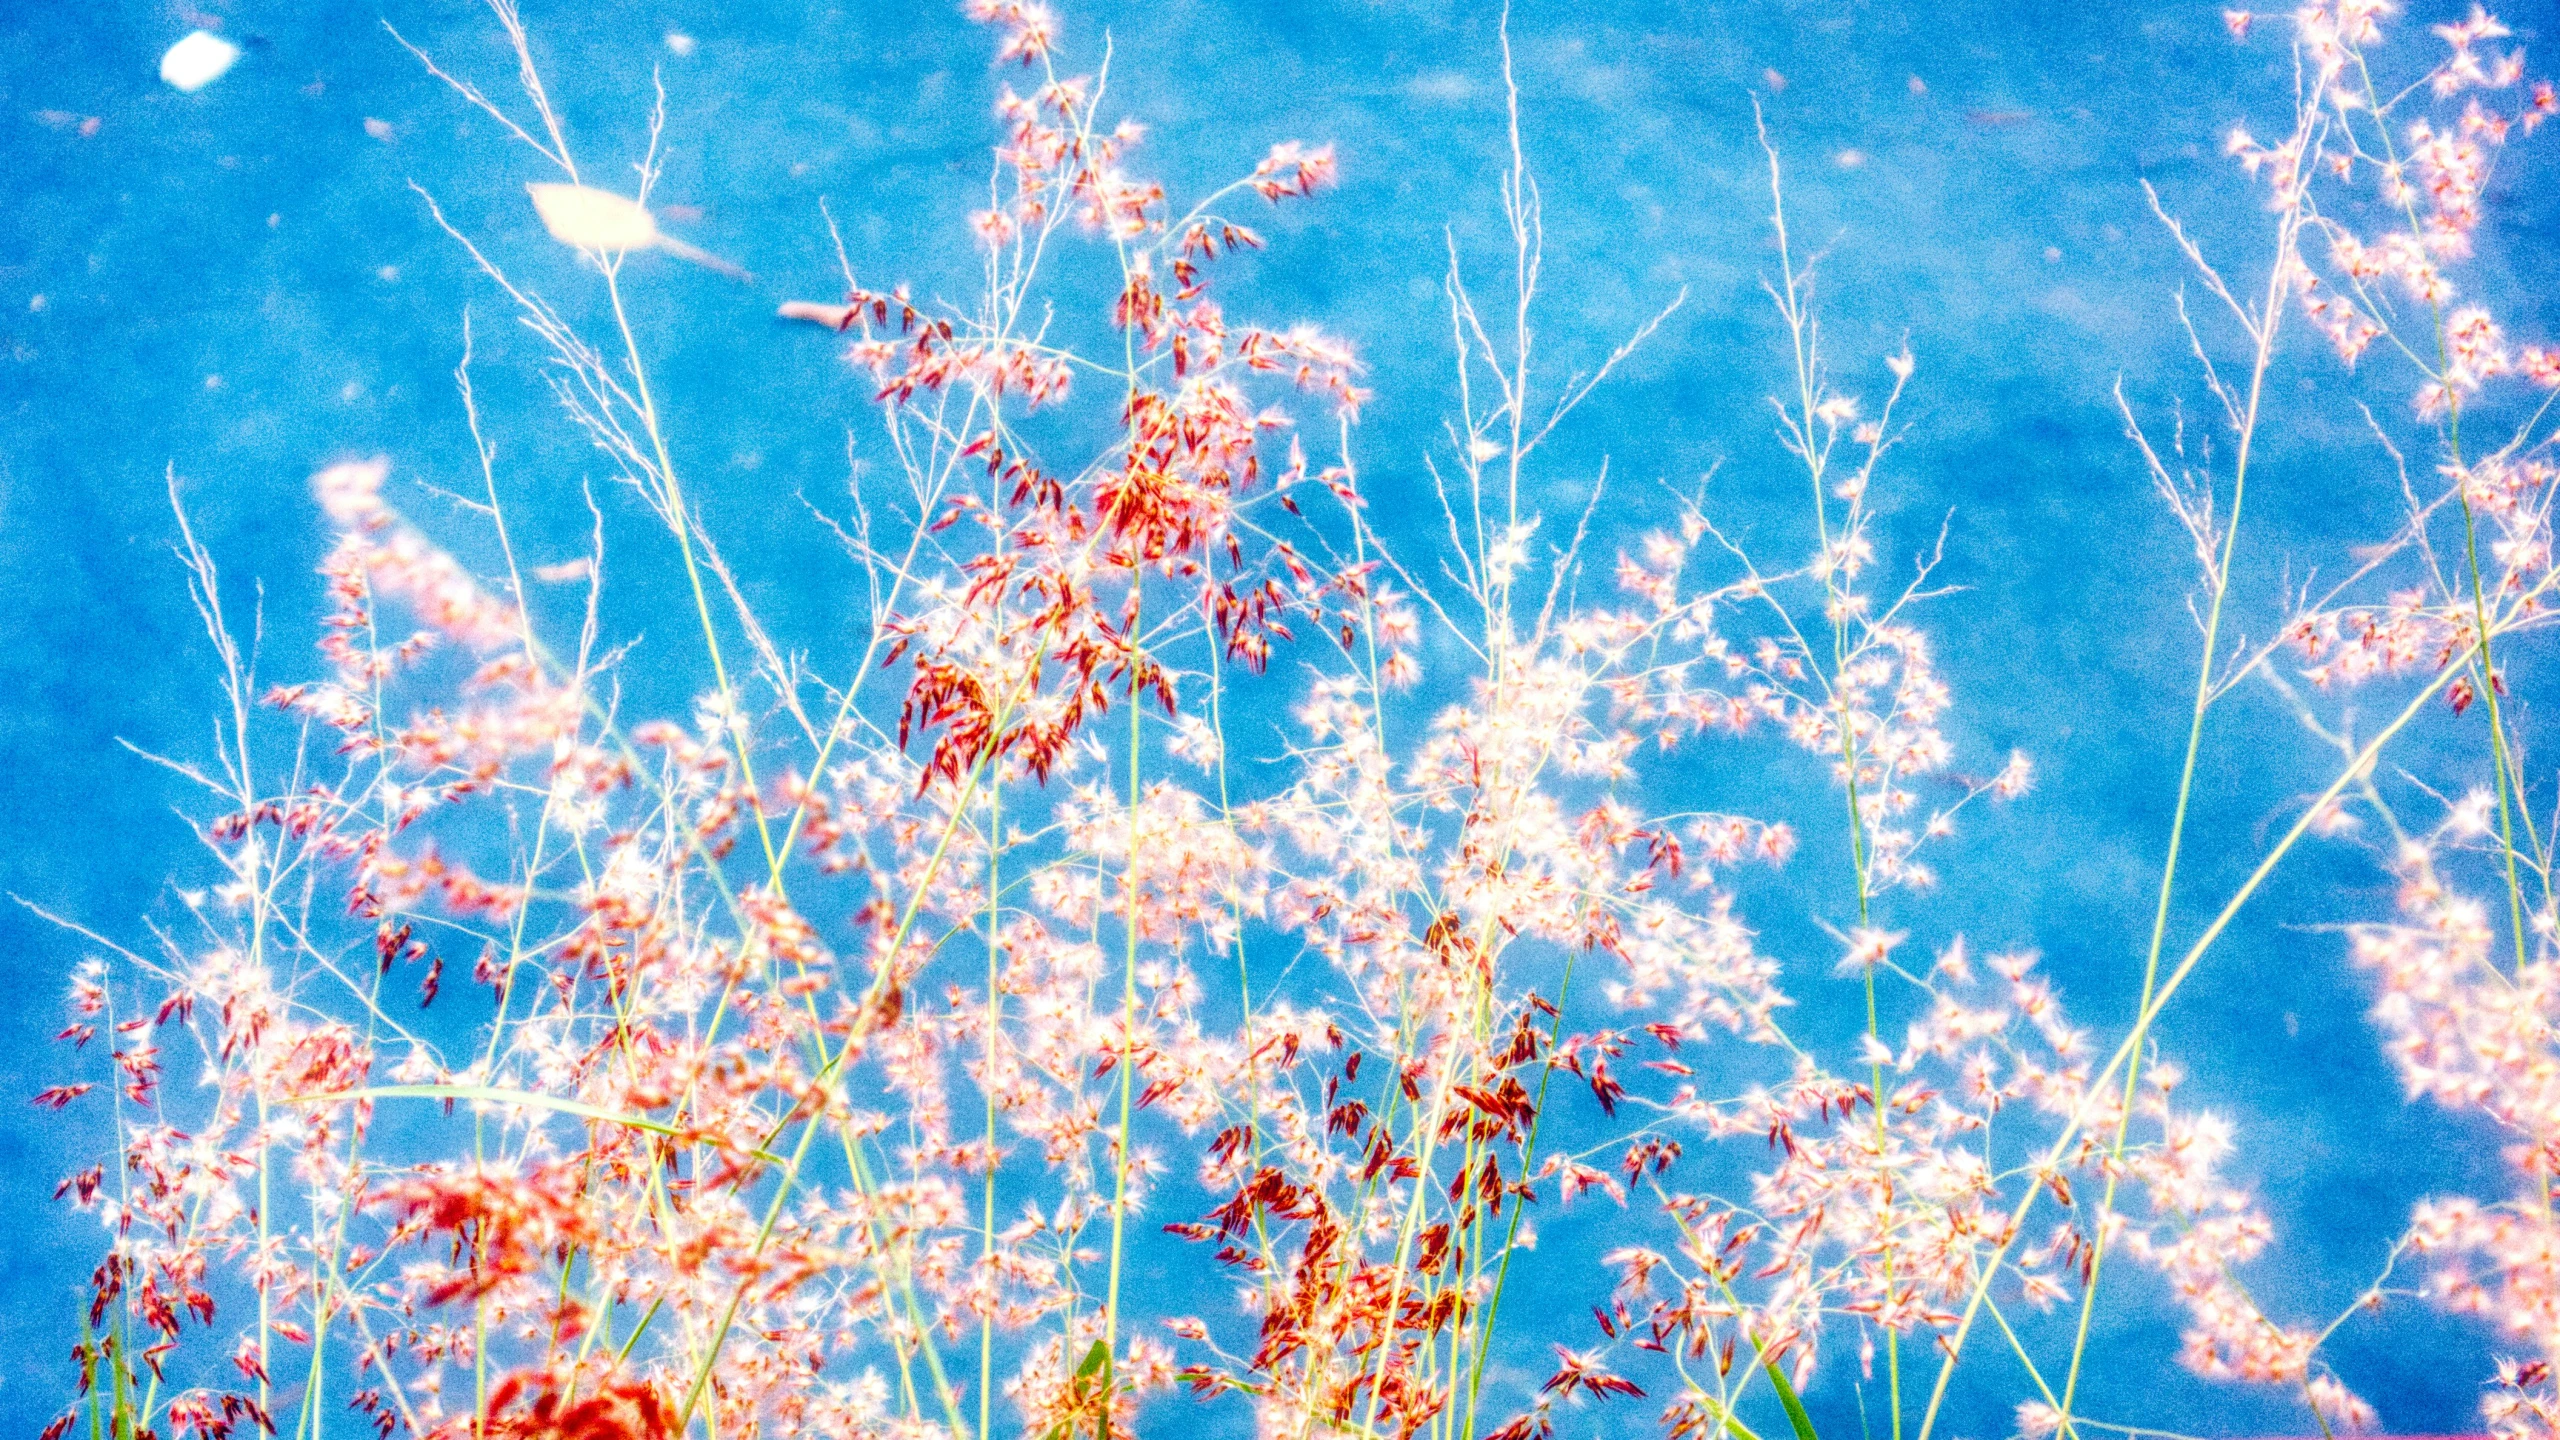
x: 995, y: 1009
x: 1528, y: 1153
x: 1128, y: 1028
x: 2269, y: 322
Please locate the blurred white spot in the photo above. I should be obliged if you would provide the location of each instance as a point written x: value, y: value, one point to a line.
x: 213, y: 382
x: 274, y: 220
x: 2052, y: 254
x: 388, y: 272
x: 1850, y: 159
x: 679, y: 43
x: 378, y: 129
x: 565, y: 571
x: 1776, y: 82
x: 593, y: 219
x: 197, y: 61
x: 352, y: 391
x: 1918, y: 85
x: 831, y: 316
x: 600, y: 220
x: 36, y: 304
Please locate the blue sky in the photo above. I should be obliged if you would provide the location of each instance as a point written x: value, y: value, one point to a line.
x: 240, y: 284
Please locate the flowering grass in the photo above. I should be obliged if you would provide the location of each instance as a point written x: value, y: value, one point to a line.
x: 846, y: 1056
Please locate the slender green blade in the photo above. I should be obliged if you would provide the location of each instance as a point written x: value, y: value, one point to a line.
x: 1094, y: 1360
x: 1796, y: 1417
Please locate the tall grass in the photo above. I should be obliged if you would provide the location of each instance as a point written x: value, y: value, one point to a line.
x: 999, y: 1034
